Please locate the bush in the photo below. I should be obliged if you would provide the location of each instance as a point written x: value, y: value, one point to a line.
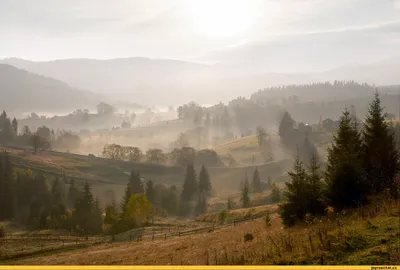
x: 222, y: 216
x: 268, y: 220
x: 248, y: 237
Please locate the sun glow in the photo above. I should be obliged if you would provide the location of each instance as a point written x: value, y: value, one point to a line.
x: 221, y: 18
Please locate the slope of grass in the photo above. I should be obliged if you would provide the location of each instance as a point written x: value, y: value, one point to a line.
x: 104, y: 174
x: 367, y: 236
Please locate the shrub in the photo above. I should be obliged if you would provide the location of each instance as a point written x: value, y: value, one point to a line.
x: 222, y: 216
x: 268, y: 220
x: 248, y: 237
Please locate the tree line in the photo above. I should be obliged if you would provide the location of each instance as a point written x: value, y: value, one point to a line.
x: 145, y: 199
x: 43, y: 138
x: 39, y: 202
x: 182, y: 156
x: 363, y: 162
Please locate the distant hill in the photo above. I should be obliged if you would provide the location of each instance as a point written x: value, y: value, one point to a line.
x: 23, y: 91
x: 164, y: 82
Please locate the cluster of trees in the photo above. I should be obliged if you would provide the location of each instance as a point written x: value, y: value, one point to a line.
x: 40, y: 202
x: 363, y: 161
x: 195, y: 192
x: 257, y: 186
x: 135, y: 208
x: 296, y: 139
x: 140, y: 201
x: 317, y: 90
x: 43, y: 138
x: 179, y: 156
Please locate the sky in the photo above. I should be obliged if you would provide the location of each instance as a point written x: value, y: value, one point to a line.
x: 277, y: 35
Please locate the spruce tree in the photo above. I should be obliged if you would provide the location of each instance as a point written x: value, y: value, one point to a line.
x: 85, y: 211
x: 189, y: 190
x: 343, y: 174
x: 269, y: 183
x: 275, y: 193
x: 190, y: 185
x: 256, y: 182
x: 204, y: 181
x: 150, y: 191
x: 316, y: 205
x: 201, y: 206
x: 245, y: 199
x: 127, y: 196
x: 380, y: 156
x: 136, y: 182
x: 111, y: 214
x: 296, y: 206
x: 286, y: 126
x: 6, y: 187
x: 73, y: 194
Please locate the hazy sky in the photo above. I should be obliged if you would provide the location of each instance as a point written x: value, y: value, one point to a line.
x: 283, y: 35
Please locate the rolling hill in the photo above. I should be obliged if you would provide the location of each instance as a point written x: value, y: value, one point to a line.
x: 26, y: 92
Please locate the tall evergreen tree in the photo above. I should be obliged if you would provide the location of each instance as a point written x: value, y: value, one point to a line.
x: 150, y: 192
x: 245, y: 198
x: 275, y: 193
x: 190, y: 185
x: 296, y: 206
x: 286, y: 126
x: 201, y: 206
x: 14, y: 124
x: 6, y: 187
x: 345, y: 187
x: 73, y: 194
x: 128, y: 194
x: 256, y: 183
x: 380, y: 156
x: 111, y: 214
x: 316, y: 205
x: 204, y: 181
x: 86, y: 212
x: 136, y: 182
x: 307, y: 151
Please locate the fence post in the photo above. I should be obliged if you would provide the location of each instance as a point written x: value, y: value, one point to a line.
x: 165, y: 236
x: 152, y: 238
x: 179, y: 234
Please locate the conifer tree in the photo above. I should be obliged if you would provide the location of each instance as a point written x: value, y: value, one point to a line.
x: 190, y: 185
x: 111, y: 214
x: 286, y: 126
x: 380, y: 156
x: 245, y: 199
x: 189, y: 190
x: 229, y: 205
x: 204, y: 181
x: 73, y: 193
x: 14, y: 124
x: 150, y: 192
x: 343, y: 174
x: 6, y: 187
x: 316, y: 205
x: 269, y: 183
x: 136, y: 182
x: 201, y: 206
x: 128, y: 194
x: 84, y: 209
x: 256, y: 182
x: 296, y: 206
x: 275, y: 193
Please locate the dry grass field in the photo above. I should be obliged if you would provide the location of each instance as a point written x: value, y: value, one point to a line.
x: 367, y: 236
